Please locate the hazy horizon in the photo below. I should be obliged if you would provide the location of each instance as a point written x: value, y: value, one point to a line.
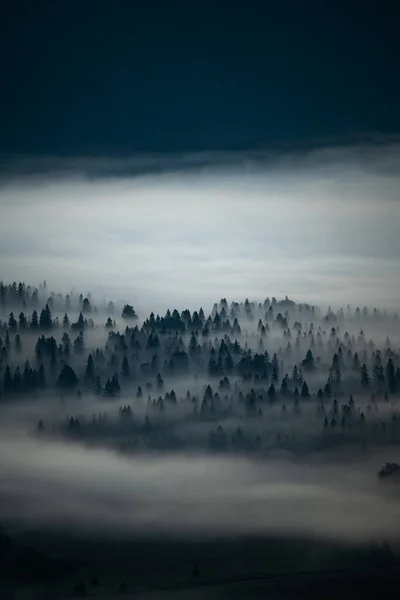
x: 319, y: 226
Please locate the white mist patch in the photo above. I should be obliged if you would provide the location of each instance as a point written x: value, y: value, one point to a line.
x: 53, y: 483
x: 322, y: 227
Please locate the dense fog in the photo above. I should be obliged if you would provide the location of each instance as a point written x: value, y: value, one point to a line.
x: 240, y: 418
x: 198, y: 355
x: 320, y: 226
x: 51, y: 484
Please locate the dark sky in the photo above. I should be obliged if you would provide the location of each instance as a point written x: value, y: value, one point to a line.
x: 125, y: 77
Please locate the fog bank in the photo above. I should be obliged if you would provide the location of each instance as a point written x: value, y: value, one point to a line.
x: 53, y: 483
x: 320, y: 227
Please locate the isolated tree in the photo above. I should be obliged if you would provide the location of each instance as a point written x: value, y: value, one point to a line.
x: 308, y: 363
x: 86, y: 306
x: 128, y: 312
x: 67, y: 379
x: 304, y: 390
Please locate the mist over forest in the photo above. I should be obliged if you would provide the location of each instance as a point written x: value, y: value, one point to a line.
x: 199, y: 300
x: 205, y: 422
x: 152, y: 392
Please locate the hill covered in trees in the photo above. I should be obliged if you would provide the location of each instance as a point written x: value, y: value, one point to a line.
x: 243, y: 377
x: 268, y: 419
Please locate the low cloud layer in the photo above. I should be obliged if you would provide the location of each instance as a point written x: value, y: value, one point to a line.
x: 321, y: 227
x: 52, y: 483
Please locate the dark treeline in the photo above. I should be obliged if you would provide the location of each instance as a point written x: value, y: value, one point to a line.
x: 253, y: 375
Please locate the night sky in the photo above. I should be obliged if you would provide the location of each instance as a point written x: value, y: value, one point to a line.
x: 124, y: 78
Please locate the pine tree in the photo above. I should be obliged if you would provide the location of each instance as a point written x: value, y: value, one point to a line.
x: 192, y: 343
x: 308, y: 363
x: 356, y: 363
x: 271, y: 393
x: 22, y: 322
x: 86, y: 306
x: 275, y: 367
x: 12, y: 322
x: 67, y: 378
x: 364, y: 375
x: 45, y: 321
x: 89, y: 371
x: 34, y: 320
x: 305, y: 393
x: 79, y: 345
x: 125, y: 367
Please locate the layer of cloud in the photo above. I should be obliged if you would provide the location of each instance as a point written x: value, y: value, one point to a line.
x: 321, y: 227
x: 49, y: 483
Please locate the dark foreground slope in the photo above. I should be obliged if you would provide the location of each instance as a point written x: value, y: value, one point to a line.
x: 41, y: 565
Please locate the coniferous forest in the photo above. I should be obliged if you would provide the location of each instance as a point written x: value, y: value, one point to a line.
x: 245, y: 377
x: 199, y: 300
x: 257, y: 420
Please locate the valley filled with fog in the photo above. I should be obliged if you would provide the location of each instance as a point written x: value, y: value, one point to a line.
x: 199, y: 301
x: 255, y: 418
x: 153, y: 394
